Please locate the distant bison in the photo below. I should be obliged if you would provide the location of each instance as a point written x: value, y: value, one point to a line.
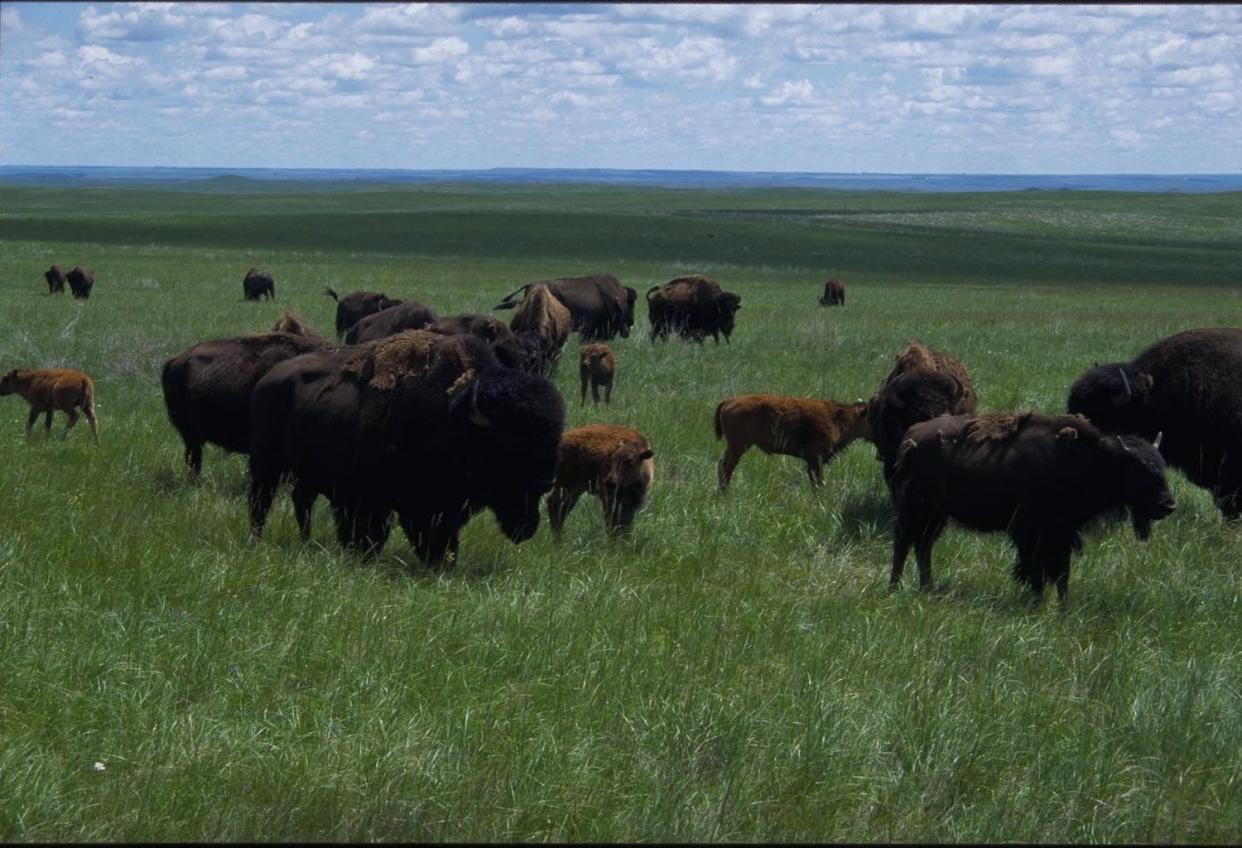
x: 694, y: 307
x: 834, y: 293
x: 597, y: 366
x: 428, y: 425
x: 1040, y: 478
x: 545, y: 316
x: 80, y: 280
x: 600, y: 308
x: 407, y: 315
x: 55, y: 280
x: 47, y: 390
x: 207, y: 388
x: 1189, y: 386
x: 357, y: 305
x: 258, y: 284
x: 813, y: 430
x: 611, y: 462
x: 923, y: 384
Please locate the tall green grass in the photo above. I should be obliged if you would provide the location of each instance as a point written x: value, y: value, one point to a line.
x: 737, y: 670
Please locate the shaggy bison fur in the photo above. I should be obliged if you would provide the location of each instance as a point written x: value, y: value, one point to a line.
x: 611, y: 462
x: 693, y: 307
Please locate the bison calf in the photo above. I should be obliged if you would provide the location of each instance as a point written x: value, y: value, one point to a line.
x: 597, y: 366
x: 614, y: 463
x: 257, y: 284
x: 55, y: 280
x: 813, y: 430
x: 51, y: 389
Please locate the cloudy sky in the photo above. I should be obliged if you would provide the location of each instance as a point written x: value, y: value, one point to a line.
x: 841, y: 88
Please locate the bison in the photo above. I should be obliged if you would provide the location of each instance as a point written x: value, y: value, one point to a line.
x: 292, y: 323
x: 597, y: 366
x: 47, y: 390
x: 693, y: 307
x: 1041, y: 478
x: 812, y: 430
x: 600, y: 308
x: 611, y: 462
x: 428, y: 425
x: 357, y: 305
x: 258, y: 284
x: 1188, y: 386
x: 834, y: 293
x: 55, y: 280
x: 545, y: 316
x: 487, y: 327
x: 407, y: 315
x: 80, y: 280
x: 207, y: 388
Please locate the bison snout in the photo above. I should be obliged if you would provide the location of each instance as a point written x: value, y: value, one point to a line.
x: 1165, y: 506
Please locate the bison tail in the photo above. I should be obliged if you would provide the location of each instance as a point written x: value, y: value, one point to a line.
x: 508, y: 301
x: 719, y: 429
x: 330, y: 294
x: 650, y: 290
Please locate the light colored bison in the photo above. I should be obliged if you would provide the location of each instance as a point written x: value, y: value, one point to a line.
x: 597, y: 366
x: 611, y: 462
x: 541, y: 313
x: 47, y: 390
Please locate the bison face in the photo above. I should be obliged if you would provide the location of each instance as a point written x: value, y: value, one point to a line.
x: 1141, y: 476
x: 1112, y: 397
x: 625, y: 485
x: 8, y: 384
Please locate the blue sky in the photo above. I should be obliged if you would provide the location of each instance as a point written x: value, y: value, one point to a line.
x: 843, y: 88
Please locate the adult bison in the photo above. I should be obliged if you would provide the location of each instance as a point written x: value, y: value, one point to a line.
x: 1188, y: 386
x: 427, y: 425
x: 1040, y: 478
x: 55, y: 280
x: 834, y: 293
x: 207, y: 388
x: 80, y: 280
x: 258, y: 284
x: 693, y: 307
x: 357, y: 305
x: 407, y: 315
x: 547, y: 318
x: 487, y: 327
x: 600, y: 308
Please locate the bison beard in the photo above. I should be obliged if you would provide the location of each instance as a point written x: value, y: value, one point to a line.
x: 1042, y: 478
x: 436, y: 443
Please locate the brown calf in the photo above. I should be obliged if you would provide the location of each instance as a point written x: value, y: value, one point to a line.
x: 51, y: 389
x: 597, y: 366
x: 614, y: 463
x: 813, y: 430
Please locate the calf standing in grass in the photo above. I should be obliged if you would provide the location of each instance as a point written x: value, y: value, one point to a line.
x: 51, y: 389
x: 597, y: 366
x: 813, y: 430
x: 614, y: 463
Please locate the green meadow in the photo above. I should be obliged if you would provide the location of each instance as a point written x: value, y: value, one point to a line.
x: 736, y: 670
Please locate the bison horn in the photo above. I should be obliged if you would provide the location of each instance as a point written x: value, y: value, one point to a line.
x: 476, y: 417
x: 1159, y: 437
x: 1122, y: 400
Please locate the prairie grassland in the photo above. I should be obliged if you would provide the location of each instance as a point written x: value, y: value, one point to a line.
x: 737, y: 670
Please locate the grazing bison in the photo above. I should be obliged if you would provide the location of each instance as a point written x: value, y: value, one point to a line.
x: 258, y: 284
x: 613, y: 463
x: 407, y: 315
x: 598, y: 367
x: 47, y: 390
x: 80, y: 280
x: 428, y: 425
x: 834, y: 293
x: 693, y: 307
x: 1041, y: 478
x: 923, y: 384
x: 207, y: 388
x: 600, y: 308
x: 55, y: 280
x: 812, y: 430
x: 1189, y: 386
x: 523, y: 351
x: 545, y: 316
x: 357, y: 305
x: 487, y: 327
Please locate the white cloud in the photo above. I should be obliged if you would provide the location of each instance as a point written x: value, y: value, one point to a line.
x: 440, y: 50
x: 790, y: 93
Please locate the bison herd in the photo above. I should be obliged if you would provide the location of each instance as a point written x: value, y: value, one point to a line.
x: 432, y: 419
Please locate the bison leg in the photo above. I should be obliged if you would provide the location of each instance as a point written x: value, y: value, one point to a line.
x: 262, y: 492
x: 585, y: 380
x: 47, y: 422
x: 303, y: 501
x: 595, y: 392
x: 194, y: 459
x: 560, y: 503
x: 728, y: 462
x: 608, y: 393
x: 73, y: 419
x: 815, y: 470
x: 901, y: 549
x: 361, y: 528
x: 30, y: 420
x: 432, y: 536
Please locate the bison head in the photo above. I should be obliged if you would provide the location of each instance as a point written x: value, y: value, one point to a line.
x: 1113, y: 397
x: 625, y: 484
x: 9, y: 383
x: 913, y: 397
x: 1141, y: 479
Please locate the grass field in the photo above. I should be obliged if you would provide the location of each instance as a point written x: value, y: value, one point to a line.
x: 737, y: 670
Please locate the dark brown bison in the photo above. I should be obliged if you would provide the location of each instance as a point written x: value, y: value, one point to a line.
x: 693, y: 307
x: 923, y: 384
x: 600, y: 308
x: 597, y: 366
x: 49, y: 389
x: 357, y: 305
x: 55, y: 280
x: 1188, y: 386
x: 545, y: 316
x: 258, y: 284
x: 80, y: 280
x: 1041, y: 478
x: 487, y: 327
x: 834, y: 293
x: 613, y: 463
x: 207, y: 388
x: 813, y: 430
x: 407, y: 315
x: 427, y: 425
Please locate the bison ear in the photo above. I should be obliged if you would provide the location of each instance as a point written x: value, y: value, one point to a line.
x: 1144, y: 381
x: 1067, y: 434
x: 1159, y: 438
x: 647, y: 454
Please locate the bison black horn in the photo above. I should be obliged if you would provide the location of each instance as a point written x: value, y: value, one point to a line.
x: 1156, y: 442
x: 1122, y: 400
x: 476, y: 417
